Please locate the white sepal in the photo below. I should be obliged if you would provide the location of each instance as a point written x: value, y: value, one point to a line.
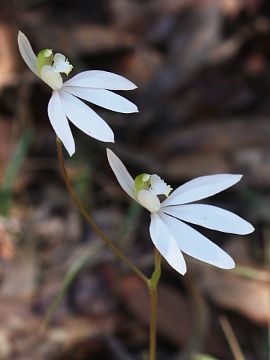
x: 210, y: 217
x: 166, y: 244
x: 121, y: 173
x: 85, y: 118
x: 197, y: 245
x: 99, y: 79
x: 60, y: 123
x: 103, y: 98
x: 201, y: 188
x: 27, y: 52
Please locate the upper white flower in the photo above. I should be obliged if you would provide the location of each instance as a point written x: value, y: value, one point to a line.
x: 168, y: 229
x: 92, y: 86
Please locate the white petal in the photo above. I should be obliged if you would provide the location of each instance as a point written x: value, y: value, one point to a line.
x: 27, y: 52
x: 103, y: 98
x: 85, y: 118
x: 60, y: 123
x: 201, y: 188
x: 149, y: 200
x: 196, y: 245
x: 98, y: 79
x: 210, y: 217
x: 121, y: 173
x: 166, y: 244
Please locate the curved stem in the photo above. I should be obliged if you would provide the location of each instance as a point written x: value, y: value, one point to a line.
x: 89, y: 218
x: 152, y: 286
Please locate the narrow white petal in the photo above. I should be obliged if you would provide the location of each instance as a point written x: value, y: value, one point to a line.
x: 27, y: 52
x: 60, y: 123
x: 121, y: 173
x: 98, y: 79
x: 103, y: 98
x: 210, y: 217
x: 196, y: 245
x: 85, y: 118
x: 201, y: 188
x: 166, y: 244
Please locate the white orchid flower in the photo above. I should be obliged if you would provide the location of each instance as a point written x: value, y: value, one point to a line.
x: 93, y: 86
x: 168, y: 229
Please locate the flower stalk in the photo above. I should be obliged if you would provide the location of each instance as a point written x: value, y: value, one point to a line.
x: 153, y: 291
x: 88, y: 216
x: 152, y: 283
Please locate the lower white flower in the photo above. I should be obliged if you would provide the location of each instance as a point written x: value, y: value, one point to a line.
x: 93, y: 86
x: 168, y: 230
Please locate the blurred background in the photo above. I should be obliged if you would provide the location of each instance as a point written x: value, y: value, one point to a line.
x: 203, y: 73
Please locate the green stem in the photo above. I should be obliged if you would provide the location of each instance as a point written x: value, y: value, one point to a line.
x: 231, y: 338
x: 152, y: 286
x: 89, y: 218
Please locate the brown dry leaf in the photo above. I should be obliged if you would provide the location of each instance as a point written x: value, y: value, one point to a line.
x: 231, y: 7
x: 231, y: 291
x: 95, y: 39
x: 9, y: 230
x: 19, y: 276
x: 7, y: 248
x: 226, y: 134
x: 21, y: 337
x: 174, y: 320
x: 192, y: 165
x: 128, y: 14
x: 8, y: 59
x: 141, y: 65
x: 188, y: 152
x: 74, y: 329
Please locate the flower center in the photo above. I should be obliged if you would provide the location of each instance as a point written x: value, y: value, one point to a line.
x: 148, y: 188
x: 51, y: 66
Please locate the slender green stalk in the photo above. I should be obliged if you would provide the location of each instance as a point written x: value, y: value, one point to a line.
x: 199, y: 319
x: 152, y: 283
x: 152, y: 286
x: 231, y: 338
x: 89, y: 218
